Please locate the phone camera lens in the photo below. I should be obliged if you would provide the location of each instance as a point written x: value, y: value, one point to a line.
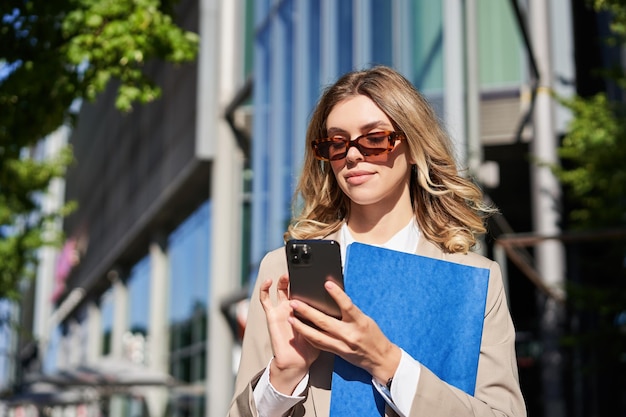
x: 306, y: 253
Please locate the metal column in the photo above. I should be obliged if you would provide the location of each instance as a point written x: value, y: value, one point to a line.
x: 226, y: 192
x: 546, y: 205
x: 454, y: 77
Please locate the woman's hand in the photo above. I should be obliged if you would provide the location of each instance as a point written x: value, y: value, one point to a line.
x: 293, y: 354
x: 356, y: 338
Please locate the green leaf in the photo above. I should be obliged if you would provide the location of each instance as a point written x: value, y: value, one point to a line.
x: 61, y: 51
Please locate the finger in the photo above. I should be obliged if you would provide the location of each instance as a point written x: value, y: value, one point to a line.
x: 347, y: 307
x: 282, y: 288
x: 264, y: 294
x: 314, y: 335
x: 320, y: 320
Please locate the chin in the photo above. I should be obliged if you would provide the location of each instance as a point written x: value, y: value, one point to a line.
x: 363, y: 200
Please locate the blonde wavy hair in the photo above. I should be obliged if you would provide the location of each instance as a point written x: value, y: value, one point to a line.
x: 448, y: 207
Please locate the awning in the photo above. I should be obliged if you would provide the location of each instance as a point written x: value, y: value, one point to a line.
x: 108, y: 373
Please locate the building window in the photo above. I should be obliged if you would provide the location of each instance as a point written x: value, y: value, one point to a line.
x: 189, y: 250
x: 344, y: 32
x: 139, y: 297
x: 381, y: 33
x: 500, y: 46
x: 427, y: 51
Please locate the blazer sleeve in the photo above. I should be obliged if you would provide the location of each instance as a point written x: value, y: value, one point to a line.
x: 256, y: 349
x: 497, y: 384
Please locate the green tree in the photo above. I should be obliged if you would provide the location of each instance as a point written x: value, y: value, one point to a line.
x: 54, y: 53
x: 594, y: 169
x: 593, y: 173
x: 594, y: 147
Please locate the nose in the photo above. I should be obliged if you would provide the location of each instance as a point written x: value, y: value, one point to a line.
x: 353, y: 154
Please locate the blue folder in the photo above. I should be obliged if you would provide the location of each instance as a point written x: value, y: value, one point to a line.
x: 431, y: 308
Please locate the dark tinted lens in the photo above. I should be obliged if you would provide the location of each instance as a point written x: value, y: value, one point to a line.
x: 375, y: 140
x: 374, y: 143
x: 331, y: 149
x: 336, y: 149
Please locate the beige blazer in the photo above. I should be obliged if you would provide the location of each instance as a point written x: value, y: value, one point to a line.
x: 497, y: 387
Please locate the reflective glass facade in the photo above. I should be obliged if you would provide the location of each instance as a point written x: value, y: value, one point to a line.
x: 302, y: 46
x: 139, y: 300
x: 188, y: 295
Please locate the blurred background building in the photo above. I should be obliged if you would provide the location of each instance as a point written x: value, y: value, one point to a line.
x: 140, y: 312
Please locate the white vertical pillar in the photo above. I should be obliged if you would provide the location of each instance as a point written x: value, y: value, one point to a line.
x: 120, y: 312
x: 207, y: 74
x: 361, y: 34
x: 42, y: 328
x: 402, y: 36
x: 207, y: 99
x: 329, y: 41
x: 94, y: 332
x: 51, y: 201
x: 546, y: 190
x: 546, y: 205
x: 158, y: 335
x: 158, y: 339
x: 301, y: 82
x: 121, y: 315
x: 226, y: 195
x: 454, y: 74
x: 474, y: 144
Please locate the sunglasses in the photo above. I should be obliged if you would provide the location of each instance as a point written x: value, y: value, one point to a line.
x: 371, y: 144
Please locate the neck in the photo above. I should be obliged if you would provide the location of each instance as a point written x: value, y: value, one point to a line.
x: 376, y: 224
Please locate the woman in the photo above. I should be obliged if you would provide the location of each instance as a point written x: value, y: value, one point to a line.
x: 378, y: 170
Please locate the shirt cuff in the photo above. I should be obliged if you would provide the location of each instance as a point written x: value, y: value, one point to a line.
x: 270, y: 402
x: 404, y: 385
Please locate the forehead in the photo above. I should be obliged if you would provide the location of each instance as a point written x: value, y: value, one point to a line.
x: 356, y: 112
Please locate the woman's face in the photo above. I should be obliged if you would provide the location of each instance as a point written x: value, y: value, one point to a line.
x: 368, y: 180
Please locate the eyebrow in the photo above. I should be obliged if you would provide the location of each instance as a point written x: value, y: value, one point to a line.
x: 364, y: 128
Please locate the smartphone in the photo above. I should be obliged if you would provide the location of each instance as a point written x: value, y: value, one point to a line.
x: 311, y: 263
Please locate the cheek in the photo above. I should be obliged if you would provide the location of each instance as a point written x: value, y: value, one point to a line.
x: 337, y: 166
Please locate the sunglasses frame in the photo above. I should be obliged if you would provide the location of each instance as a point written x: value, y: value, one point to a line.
x: 392, y: 138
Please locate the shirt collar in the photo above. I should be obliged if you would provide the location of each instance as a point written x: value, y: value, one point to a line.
x: 405, y: 240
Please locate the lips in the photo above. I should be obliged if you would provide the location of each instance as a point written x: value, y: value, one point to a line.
x: 358, y: 177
